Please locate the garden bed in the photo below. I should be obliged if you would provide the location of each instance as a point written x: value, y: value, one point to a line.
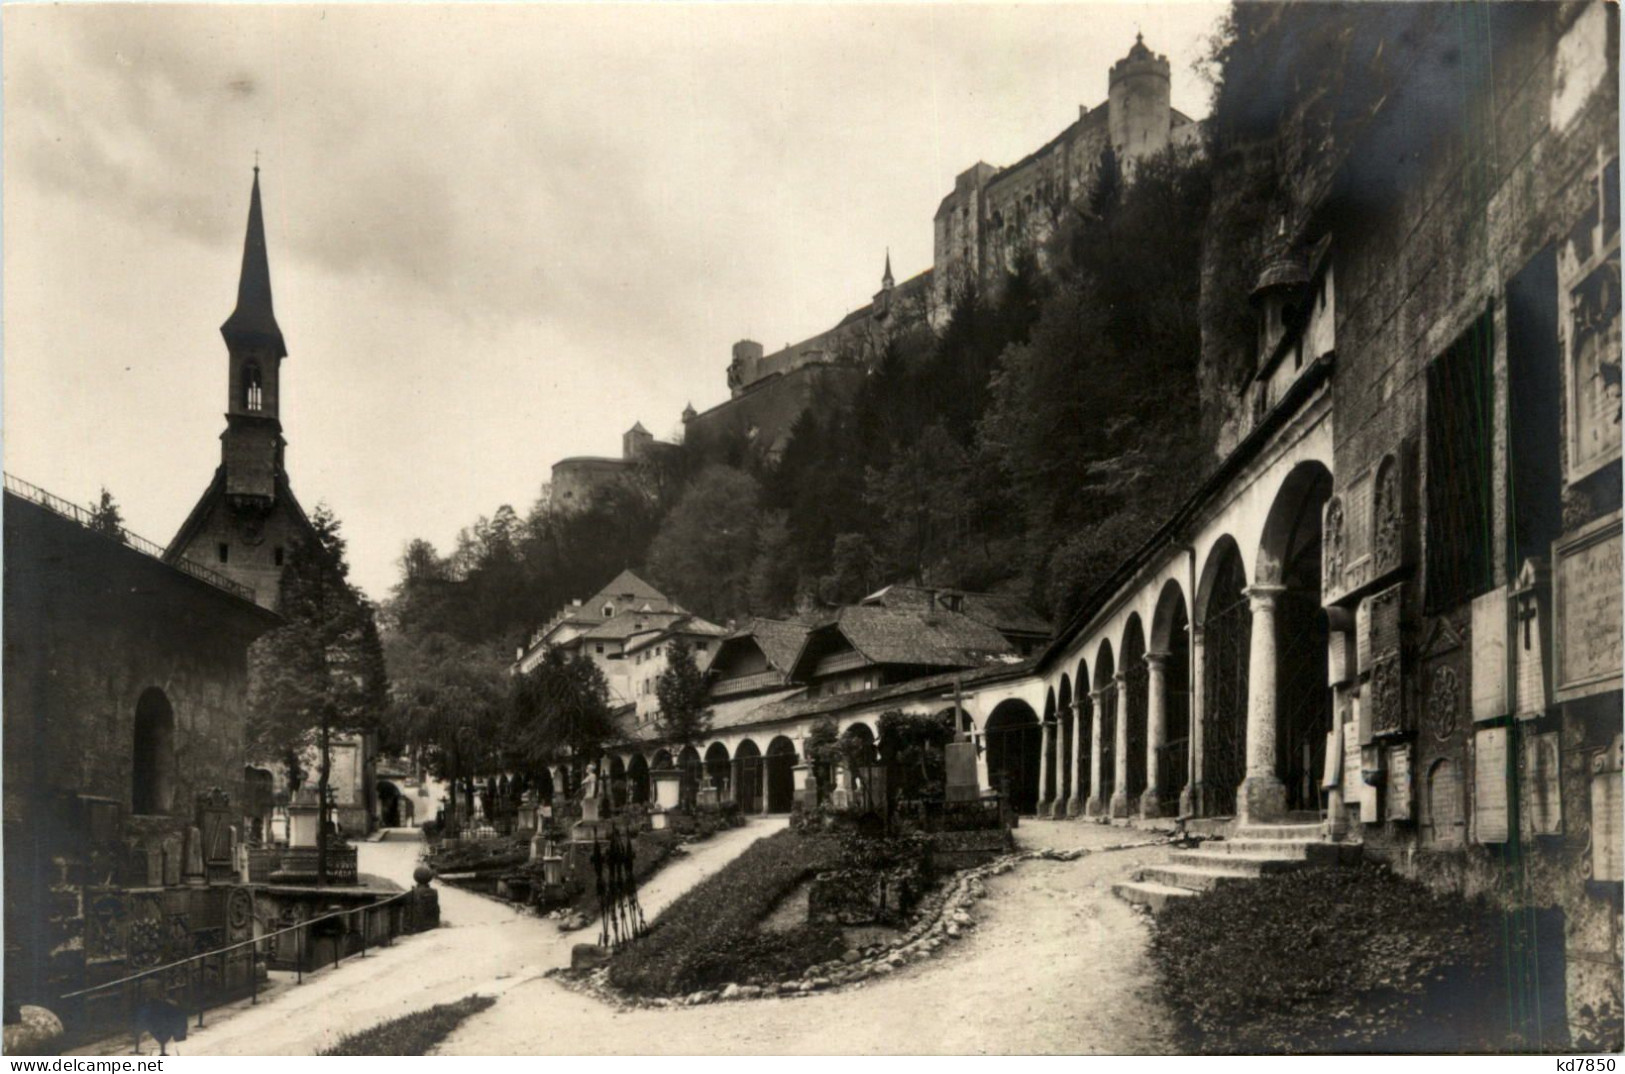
x: 1331, y: 960
x: 710, y: 935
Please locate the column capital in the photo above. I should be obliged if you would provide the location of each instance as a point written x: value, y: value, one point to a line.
x: 1157, y: 661
x: 1119, y: 680
x: 1097, y: 695
x: 1263, y: 597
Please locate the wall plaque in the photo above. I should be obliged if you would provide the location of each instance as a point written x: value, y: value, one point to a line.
x: 1351, y: 768
x: 1362, y: 636
x: 1387, y: 517
x: 1385, y: 692
x: 1607, y: 804
x: 1542, y: 797
x: 1357, y: 533
x: 1489, y: 646
x: 1586, y: 608
x: 1490, y: 786
x: 1444, y: 823
x: 1400, y: 790
x: 1530, y: 628
x: 1593, y: 345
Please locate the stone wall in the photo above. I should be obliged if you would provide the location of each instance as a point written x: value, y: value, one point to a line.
x: 91, y: 626
x: 1494, y: 170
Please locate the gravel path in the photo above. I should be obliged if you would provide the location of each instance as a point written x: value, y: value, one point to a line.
x: 483, y: 946
x: 1057, y: 964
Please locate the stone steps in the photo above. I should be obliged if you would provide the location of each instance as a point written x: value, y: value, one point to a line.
x: 1251, y: 864
x: 1193, y: 878
x: 1150, y: 894
x: 1255, y: 852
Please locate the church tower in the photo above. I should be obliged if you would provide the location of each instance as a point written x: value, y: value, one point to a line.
x: 248, y: 516
x: 252, y: 444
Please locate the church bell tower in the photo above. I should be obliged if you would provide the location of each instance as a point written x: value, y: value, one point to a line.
x: 252, y: 445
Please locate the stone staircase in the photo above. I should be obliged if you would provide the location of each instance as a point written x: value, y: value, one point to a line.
x: 1251, y: 853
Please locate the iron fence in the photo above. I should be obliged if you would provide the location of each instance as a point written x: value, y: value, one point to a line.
x: 191, y: 971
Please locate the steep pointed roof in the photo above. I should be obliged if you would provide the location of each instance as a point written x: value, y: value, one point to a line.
x: 886, y: 280
x: 252, y: 322
x: 627, y: 584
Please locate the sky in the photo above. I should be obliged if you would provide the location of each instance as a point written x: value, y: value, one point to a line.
x: 499, y: 234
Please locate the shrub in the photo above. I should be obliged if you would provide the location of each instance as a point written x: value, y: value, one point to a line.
x: 1328, y: 960
x: 708, y: 937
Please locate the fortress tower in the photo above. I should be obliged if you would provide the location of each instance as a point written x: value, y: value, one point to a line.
x: 1139, y: 115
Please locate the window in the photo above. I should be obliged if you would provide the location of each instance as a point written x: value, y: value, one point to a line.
x: 225, y: 552
x: 609, y: 611
x: 253, y: 389
x: 1460, y: 536
x: 599, y: 649
x: 276, y: 554
x: 700, y: 646
x: 152, y: 785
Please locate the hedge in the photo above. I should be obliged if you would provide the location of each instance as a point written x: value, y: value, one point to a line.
x: 709, y: 936
x: 1331, y: 960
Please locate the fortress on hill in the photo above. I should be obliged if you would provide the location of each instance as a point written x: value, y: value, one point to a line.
x: 989, y: 218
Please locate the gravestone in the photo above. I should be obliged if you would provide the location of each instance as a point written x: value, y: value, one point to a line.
x: 960, y: 762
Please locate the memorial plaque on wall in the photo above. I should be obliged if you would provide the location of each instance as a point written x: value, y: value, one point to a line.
x: 1357, y: 533
x: 1385, y: 693
x: 1362, y: 637
x: 1490, y: 813
x: 1400, y: 789
x: 1593, y: 344
x: 1586, y: 608
x: 1489, y: 634
x: 1351, y: 768
x: 1541, y: 784
x: 1529, y: 641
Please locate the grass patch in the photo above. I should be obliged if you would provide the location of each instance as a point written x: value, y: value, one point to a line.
x: 412, y: 1034
x: 1331, y: 960
x: 710, y: 936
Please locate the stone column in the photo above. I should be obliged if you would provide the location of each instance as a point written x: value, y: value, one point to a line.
x: 1190, y: 799
x: 1095, y: 806
x: 982, y: 779
x: 1156, y: 720
x: 1046, y: 771
x: 1262, y: 796
x: 1074, y: 764
x: 1119, y: 693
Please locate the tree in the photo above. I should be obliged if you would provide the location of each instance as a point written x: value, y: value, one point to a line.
x: 449, y: 700
x: 322, y: 672
x: 773, y: 574
x: 560, y: 711
x: 105, y: 517
x: 684, y: 715
x: 923, y: 497
x: 704, y: 548
x: 853, y: 570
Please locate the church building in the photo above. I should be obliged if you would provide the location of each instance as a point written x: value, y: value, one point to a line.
x: 248, y: 518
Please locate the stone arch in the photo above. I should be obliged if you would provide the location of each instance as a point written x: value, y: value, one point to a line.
x: 152, y: 776
x: 1064, y: 731
x: 858, y: 742
x: 748, y: 776
x: 544, y: 786
x: 389, y: 804
x: 637, y: 780
x: 662, y: 760
x: 691, y: 773
x: 1014, y: 744
x: 1171, y: 639
x: 781, y: 778
x: 1227, y: 623
x: 1106, y: 713
x: 1084, y: 723
x: 719, y: 770
x: 1133, y: 710
x: 1048, y: 781
x: 1288, y: 579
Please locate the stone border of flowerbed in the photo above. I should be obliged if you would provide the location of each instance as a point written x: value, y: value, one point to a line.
x: 942, y: 916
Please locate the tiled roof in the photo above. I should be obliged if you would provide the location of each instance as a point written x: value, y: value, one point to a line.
x: 624, y: 584
x: 683, y: 625
x: 779, y: 641
x: 909, y: 636
x: 628, y: 623
x: 1005, y: 613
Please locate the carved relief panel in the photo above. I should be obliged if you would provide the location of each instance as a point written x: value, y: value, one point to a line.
x: 1385, y: 692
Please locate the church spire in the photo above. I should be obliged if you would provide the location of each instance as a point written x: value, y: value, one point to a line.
x: 252, y: 324
x: 886, y: 280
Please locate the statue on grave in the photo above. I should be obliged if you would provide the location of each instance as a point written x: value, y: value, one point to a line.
x: 589, y: 782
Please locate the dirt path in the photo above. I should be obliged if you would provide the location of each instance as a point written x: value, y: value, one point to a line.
x: 483, y: 946
x: 1057, y: 965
